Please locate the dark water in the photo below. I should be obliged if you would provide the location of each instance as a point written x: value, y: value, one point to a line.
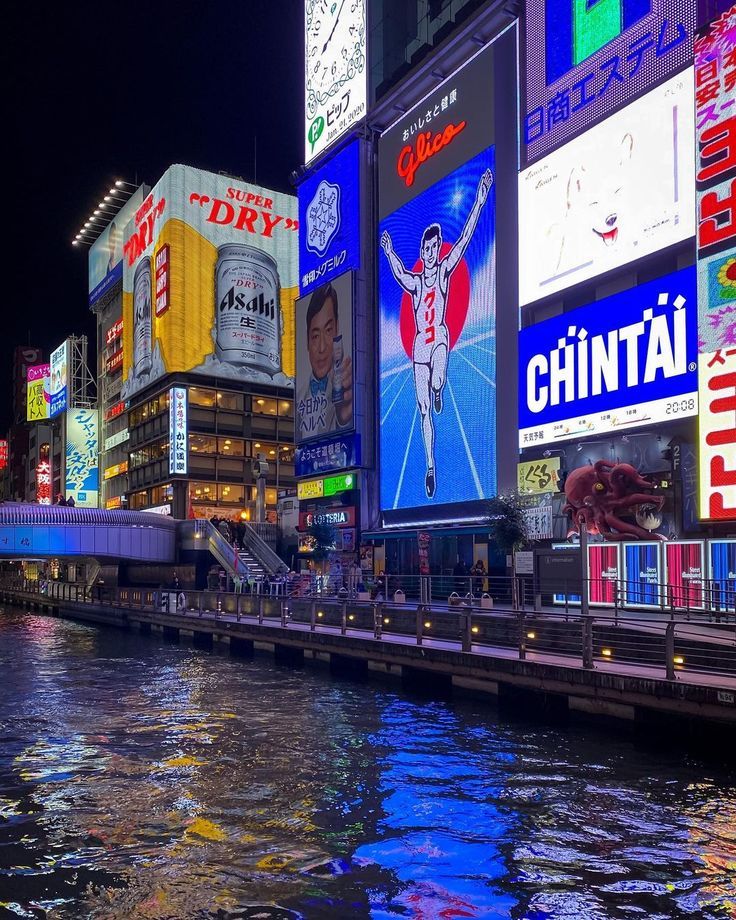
x: 146, y: 780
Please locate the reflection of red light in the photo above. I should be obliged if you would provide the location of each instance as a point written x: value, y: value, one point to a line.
x: 458, y: 300
x: 43, y: 483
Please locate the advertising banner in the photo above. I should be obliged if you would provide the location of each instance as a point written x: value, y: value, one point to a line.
x: 437, y: 301
x: 82, y: 479
x: 723, y: 574
x: 38, y: 392
x: 538, y: 476
x: 105, y: 261
x: 622, y: 362
x: 324, y: 360
x: 3, y: 454
x: 685, y: 574
x: 209, y: 282
x: 337, y: 517
x: 329, y: 218
x: 715, y: 85
x: 603, y: 573
x: 327, y: 487
x: 43, y: 483
x: 586, y: 59
x: 119, y: 438
x: 335, y: 71
x: 619, y: 192
x: 59, y: 367
x: 642, y: 575
x: 337, y: 453
x: 538, y: 516
x: 178, y: 437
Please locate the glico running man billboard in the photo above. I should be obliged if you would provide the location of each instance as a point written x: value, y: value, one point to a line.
x: 209, y: 281
x: 437, y: 297
x: 587, y: 58
x: 622, y: 362
x: 621, y: 191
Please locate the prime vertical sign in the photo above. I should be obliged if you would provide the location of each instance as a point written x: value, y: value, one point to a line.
x: 715, y: 116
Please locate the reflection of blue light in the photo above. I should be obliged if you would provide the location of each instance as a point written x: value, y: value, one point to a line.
x: 442, y: 831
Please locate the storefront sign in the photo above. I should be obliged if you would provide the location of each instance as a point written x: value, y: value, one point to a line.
x: 119, y: 437
x: 325, y: 456
x: 336, y: 517
x: 116, y: 470
x: 538, y: 476
x: 178, y: 431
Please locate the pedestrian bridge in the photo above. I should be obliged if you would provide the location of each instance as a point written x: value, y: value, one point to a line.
x: 30, y: 531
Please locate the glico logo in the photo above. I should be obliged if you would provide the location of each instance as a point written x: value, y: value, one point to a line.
x: 427, y: 146
x: 582, y: 366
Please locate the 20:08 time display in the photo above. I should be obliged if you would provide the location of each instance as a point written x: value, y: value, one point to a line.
x: 680, y: 405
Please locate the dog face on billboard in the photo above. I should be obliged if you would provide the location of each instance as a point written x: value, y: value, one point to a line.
x: 597, y: 204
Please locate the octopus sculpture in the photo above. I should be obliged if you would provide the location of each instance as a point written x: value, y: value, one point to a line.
x: 602, y: 494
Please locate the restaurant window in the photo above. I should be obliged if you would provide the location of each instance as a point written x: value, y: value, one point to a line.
x: 263, y: 406
x: 286, y: 408
x: 160, y: 495
x: 233, y: 494
x: 202, y: 444
x: 199, y: 396
x: 286, y: 453
x: 202, y: 491
x: 138, y: 500
x: 230, y: 401
x: 271, y: 496
x: 230, y: 447
x: 266, y: 448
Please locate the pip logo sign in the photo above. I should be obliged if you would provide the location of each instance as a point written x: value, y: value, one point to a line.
x: 576, y: 29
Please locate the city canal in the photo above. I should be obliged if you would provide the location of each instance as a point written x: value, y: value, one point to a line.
x: 151, y: 780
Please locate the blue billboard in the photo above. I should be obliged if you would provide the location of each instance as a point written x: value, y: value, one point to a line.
x: 622, y: 362
x: 329, y: 219
x: 437, y: 315
x: 339, y: 453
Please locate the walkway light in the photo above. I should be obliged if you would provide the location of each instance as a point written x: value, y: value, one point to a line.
x: 606, y: 652
x: 531, y: 635
x: 427, y: 624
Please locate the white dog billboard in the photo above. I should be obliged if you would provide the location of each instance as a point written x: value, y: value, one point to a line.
x: 623, y: 190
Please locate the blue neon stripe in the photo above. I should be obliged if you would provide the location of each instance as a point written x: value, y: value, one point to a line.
x: 558, y: 39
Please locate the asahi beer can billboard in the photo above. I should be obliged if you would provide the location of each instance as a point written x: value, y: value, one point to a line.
x: 210, y: 276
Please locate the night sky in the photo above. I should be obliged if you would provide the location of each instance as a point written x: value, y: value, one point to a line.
x: 102, y: 91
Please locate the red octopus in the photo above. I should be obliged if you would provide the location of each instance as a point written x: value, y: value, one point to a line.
x: 601, y: 493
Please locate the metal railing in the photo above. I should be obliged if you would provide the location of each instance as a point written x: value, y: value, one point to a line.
x: 639, y: 645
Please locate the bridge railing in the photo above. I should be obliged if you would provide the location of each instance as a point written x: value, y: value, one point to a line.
x: 645, y: 645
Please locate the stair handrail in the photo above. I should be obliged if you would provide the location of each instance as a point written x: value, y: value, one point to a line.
x: 221, y: 549
x: 269, y: 559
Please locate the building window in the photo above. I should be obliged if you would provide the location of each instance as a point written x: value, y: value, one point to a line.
x: 232, y: 494
x: 233, y: 402
x: 199, y: 396
x: 149, y: 454
x: 138, y: 500
x: 286, y: 408
x: 160, y: 495
x: 231, y: 447
x: 154, y: 406
x: 202, y: 444
x: 264, y: 406
x: 202, y: 491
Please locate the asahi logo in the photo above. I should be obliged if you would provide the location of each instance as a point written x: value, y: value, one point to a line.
x: 582, y: 365
x: 258, y: 304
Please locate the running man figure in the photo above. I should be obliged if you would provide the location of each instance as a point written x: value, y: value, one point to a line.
x: 428, y: 290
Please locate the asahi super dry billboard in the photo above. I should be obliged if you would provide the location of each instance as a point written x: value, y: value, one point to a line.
x: 210, y: 274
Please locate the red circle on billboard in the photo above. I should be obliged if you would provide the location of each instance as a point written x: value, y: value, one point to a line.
x: 458, y: 301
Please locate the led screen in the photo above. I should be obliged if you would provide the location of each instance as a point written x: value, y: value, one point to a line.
x: 335, y: 71
x: 82, y: 473
x: 685, y: 564
x: 715, y: 82
x: 642, y: 575
x: 59, y: 368
x: 587, y: 58
x: 329, y: 217
x: 209, y: 281
x: 105, y: 261
x: 622, y: 362
x: 622, y: 190
x: 324, y: 360
x: 38, y: 397
x: 437, y: 308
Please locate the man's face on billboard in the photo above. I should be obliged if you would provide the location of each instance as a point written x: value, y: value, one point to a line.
x: 430, y: 251
x: 322, y: 330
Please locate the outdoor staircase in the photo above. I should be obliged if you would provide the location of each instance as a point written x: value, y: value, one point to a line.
x: 253, y: 564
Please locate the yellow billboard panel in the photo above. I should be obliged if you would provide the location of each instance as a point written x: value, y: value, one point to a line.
x: 534, y: 477
x: 210, y: 276
x: 38, y: 397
